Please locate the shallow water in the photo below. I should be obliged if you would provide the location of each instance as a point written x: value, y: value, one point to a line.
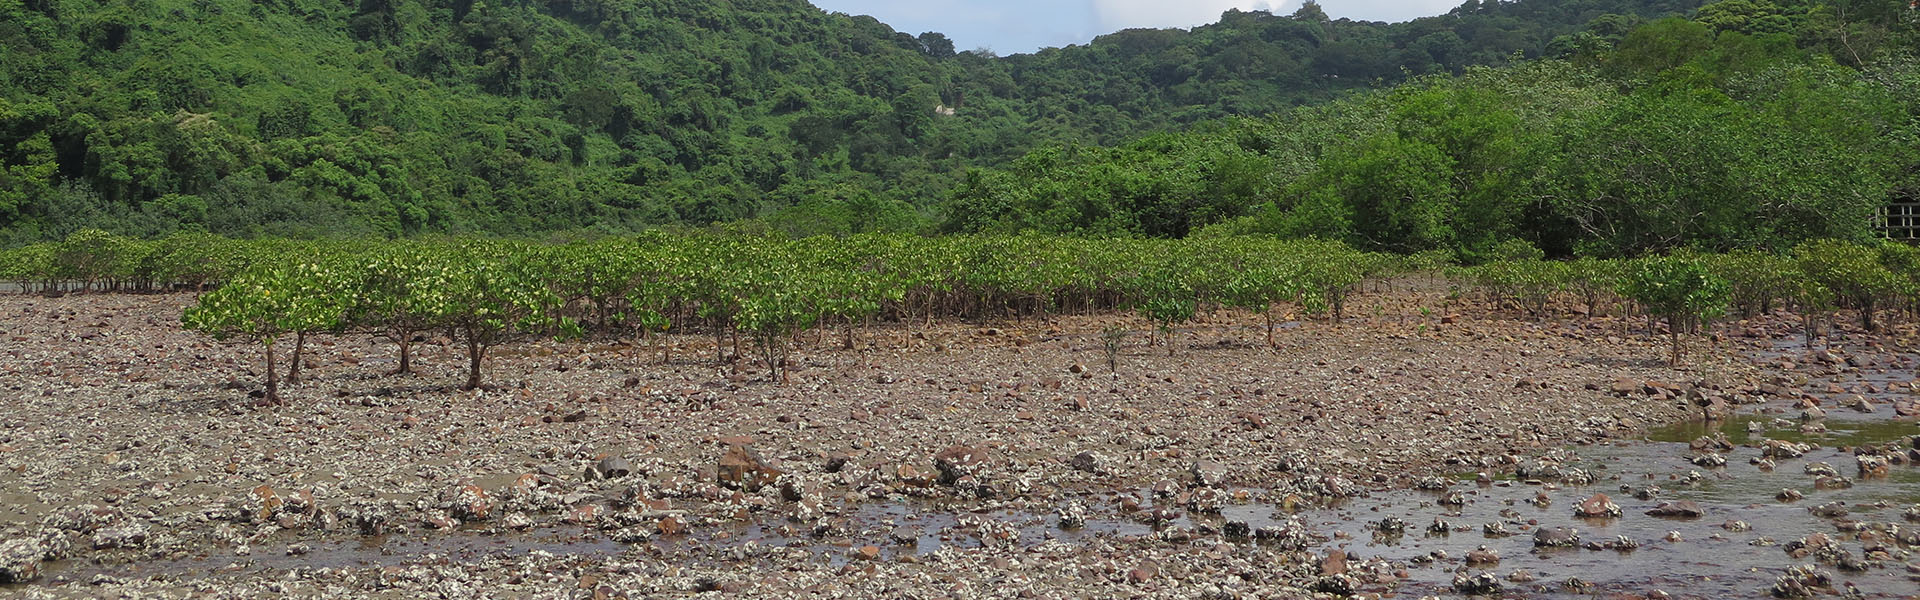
x: 372, y: 551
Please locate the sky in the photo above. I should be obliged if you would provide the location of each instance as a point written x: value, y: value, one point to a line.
x: 1019, y: 26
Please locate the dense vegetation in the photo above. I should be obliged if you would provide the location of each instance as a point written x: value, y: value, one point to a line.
x: 1754, y: 125
x: 398, y: 117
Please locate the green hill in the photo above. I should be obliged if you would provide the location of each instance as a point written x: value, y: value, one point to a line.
x: 396, y: 117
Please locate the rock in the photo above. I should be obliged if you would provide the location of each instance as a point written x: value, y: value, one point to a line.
x: 517, y: 521
x: 1478, y: 584
x: 671, y: 526
x: 1789, y: 495
x: 1208, y: 473
x: 267, y: 502
x: 837, y: 461
x: 1235, y: 529
x: 1872, y: 466
x: 1597, y: 506
x: 1783, y: 449
x: 1801, y: 581
x: 1338, y: 585
x: 468, y: 503
x: 904, y: 535
x: 1090, y: 462
x: 1143, y: 573
x: 1710, y: 460
x: 131, y: 535
x: 1335, y: 563
x: 1820, y: 469
x: 20, y: 560
x: 614, y: 467
x: 912, y: 477
x: 1207, y: 501
x: 743, y: 469
x: 585, y: 514
x: 1556, y: 537
x: 959, y: 461
x: 1482, y: 557
x: 1678, y: 508
x: 437, y: 520
x: 1832, y: 482
x: 868, y: 552
x: 1830, y: 510
x: 1624, y: 386
x: 1073, y: 515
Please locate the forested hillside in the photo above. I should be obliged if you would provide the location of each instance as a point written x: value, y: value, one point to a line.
x: 1754, y: 124
x: 397, y: 117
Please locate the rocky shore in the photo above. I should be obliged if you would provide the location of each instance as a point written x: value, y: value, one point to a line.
x: 961, y: 461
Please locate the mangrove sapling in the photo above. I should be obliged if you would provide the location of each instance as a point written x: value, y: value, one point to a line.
x: 256, y: 307
x: 1680, y: 290
x: 1112, y: 339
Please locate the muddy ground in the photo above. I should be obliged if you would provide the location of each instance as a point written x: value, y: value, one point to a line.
x: 1000, y: 459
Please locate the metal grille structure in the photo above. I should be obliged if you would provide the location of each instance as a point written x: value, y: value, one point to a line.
x: 1899, y: 221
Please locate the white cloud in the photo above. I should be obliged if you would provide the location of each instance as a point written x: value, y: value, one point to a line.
x: 1385, y: 10
x: 1122, y: 14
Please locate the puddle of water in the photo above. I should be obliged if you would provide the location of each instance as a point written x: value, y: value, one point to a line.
x: 377, y: 551
x: 1842, y: 430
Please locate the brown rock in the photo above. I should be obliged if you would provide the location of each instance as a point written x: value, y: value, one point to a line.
x: 1482, y: 556
x: 1624, y: 386
x: 743, y: 469
x: 671, y: 526
x: 470, y: 503
x: 270, y: 502
x: 959, y: 461
x: 868, y: 552
x: 1679, y: 508
x: 913, y: 477
x: 585, y: 514
x: 1334, y: 564
x: 1597, y: 506
x: 1143, y: 573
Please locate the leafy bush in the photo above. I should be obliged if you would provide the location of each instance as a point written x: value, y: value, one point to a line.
x: 1680, y: 290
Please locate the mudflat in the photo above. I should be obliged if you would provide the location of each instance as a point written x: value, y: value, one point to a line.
x: 1407, y: 451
